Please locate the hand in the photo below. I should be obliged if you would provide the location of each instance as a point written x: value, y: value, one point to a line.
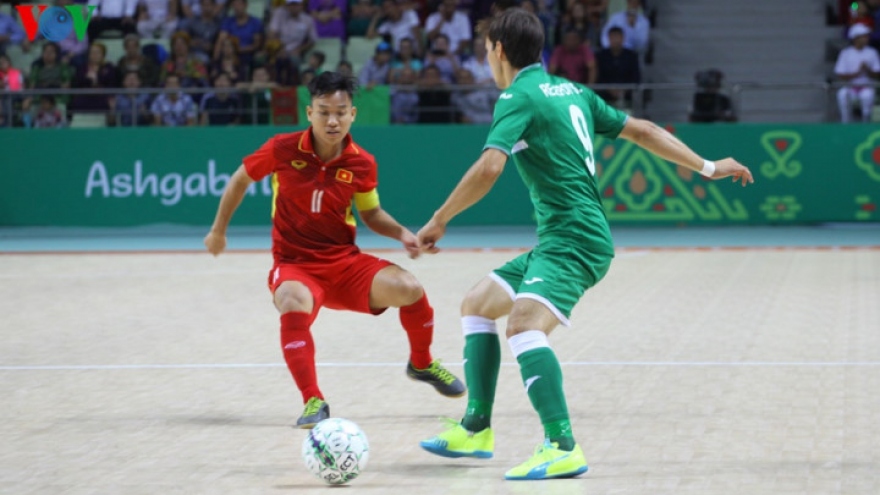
x: 729, y: 167
x: 410, y: 243
x: 430, y: 234
x: 215, y: 242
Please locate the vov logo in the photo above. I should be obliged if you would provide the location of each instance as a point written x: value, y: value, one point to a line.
x: 55, y: 23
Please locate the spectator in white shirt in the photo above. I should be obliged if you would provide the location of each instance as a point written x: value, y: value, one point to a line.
x: 294, y: 29
x: 395, y: 23
x: 478, y: 64
x: 158, y: 18
x: 112, y: 15
x: 636, y: 27
x: 454, y: 24
x: 857, y: 65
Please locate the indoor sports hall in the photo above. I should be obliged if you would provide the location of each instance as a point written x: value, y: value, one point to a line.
x: 732, y: 348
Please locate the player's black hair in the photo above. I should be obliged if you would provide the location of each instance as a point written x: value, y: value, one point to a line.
x: 520, y: 32
x: 616, y: 29
x: 328, y: 83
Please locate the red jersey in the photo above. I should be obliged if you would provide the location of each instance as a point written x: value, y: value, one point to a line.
x: 312, y: 219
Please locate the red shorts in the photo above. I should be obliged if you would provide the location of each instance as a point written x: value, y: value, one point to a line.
x: 342, y: 284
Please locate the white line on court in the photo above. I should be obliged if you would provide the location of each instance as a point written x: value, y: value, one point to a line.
x: 672, y: 364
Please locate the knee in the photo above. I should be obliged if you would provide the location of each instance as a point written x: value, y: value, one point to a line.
x: 486, y: 299
x: 408, y: 289
x: 516, y: 324
x: 472, y: 304
x: 293, y: 297
x: 477, y: 302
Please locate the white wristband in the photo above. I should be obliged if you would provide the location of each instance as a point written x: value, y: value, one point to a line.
x: 708, y: 168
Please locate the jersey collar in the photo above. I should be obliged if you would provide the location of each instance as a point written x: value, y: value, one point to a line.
x: 306, y: 144
x: 536, y: 65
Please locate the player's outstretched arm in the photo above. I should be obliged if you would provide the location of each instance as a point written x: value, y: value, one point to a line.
x: 382, y: 223
x: 475, y: 184
x: 663, y: 144
x: 215, y: 241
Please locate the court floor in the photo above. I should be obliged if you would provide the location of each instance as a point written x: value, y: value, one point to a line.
x: 688, y: 371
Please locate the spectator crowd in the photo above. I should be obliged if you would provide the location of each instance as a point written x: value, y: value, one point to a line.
x: 233, y: 53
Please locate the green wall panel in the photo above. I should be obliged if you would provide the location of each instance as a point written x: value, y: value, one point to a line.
x: 127, y: 177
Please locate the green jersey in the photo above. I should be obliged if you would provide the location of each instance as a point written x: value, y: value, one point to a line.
x: 547, y: 125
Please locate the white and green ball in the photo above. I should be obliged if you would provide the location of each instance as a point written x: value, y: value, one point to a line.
x: 336, y: 450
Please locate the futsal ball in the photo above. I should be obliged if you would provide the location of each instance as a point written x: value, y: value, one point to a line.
x: 336, y: 451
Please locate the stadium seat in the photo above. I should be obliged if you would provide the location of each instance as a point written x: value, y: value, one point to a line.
x: 332, y: 48
x: 110, y: 33
x: 257, y: 8
x: 21, y: 60
x: 359, y: 51
x: 615, y: 6
x: 88, y: 120
x: 115, y: 49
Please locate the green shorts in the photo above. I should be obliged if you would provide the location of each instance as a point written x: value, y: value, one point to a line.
x: 555, y: 273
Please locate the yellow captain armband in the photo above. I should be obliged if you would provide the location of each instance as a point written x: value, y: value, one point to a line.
x: 366, y: 201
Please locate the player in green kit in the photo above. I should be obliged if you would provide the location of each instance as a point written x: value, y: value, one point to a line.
x: 546, y: 124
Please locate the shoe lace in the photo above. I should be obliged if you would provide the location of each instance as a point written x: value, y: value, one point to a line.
x: 545, y: 449
x: 441, y: 373
x: 313, y: 406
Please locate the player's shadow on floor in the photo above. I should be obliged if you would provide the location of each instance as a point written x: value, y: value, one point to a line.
x: 206, y: 420
x: 313, y: 486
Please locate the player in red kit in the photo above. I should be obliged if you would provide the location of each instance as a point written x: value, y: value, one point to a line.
x: 318, y: 176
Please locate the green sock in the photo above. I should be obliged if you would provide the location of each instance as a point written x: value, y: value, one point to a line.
x: 542, y: 377
x: 482, y: 353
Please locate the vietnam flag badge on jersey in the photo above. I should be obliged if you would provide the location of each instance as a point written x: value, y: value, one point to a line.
x: 343, y: 175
